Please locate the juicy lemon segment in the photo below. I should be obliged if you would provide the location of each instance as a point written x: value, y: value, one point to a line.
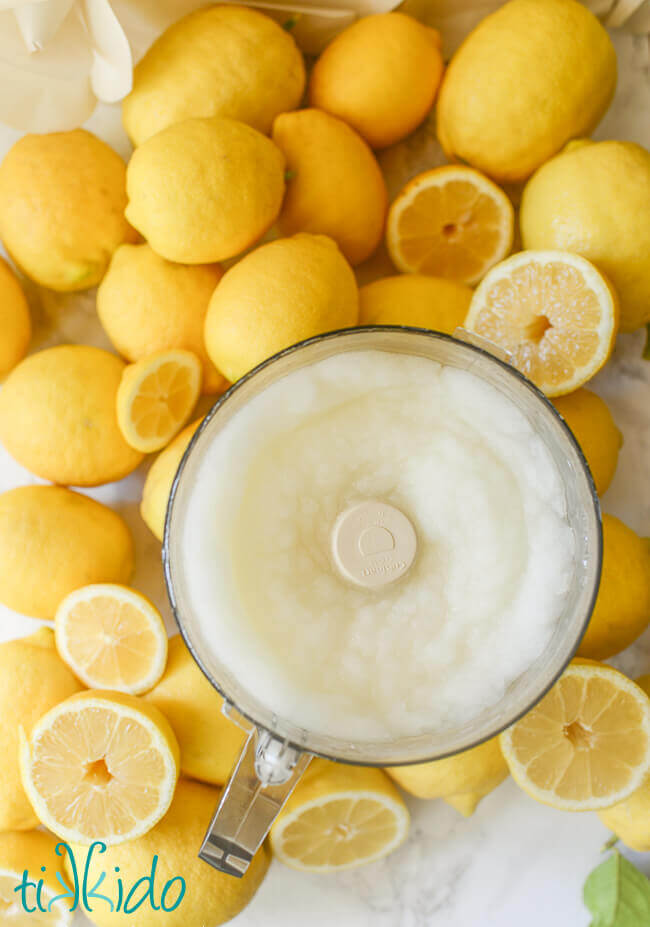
x: 100, y: 766
x: 553, y: 311
x: 156, y: 397
x: 450, y: 222
x: 111, y: 637
x: 586, y: 744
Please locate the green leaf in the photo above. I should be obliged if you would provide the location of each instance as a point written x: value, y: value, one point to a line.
x: 646, y: 350
x: 617, y: 894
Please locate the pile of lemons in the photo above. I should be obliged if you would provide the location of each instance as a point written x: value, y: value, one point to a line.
x: 253, y: 193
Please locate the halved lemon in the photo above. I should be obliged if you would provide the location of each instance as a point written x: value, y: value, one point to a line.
x: 553, y: 312
x: 31, y: 850
x: 156, y: 396
x: 586, y: 744
x: 339, y: 817
x: 100, y: 766
x: 111, y: 637
x: 450, y: 222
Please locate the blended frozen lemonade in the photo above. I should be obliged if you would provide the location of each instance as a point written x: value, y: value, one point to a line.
x: 376, y: 545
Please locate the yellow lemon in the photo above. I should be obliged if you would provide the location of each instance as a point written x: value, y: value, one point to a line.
x: 58, y: 418
x: 415, y: 299
x: 210, y: 898
x: 622, y: 609
x: 62, y: 199
x: 339, y: 817
x: 209, y: 742
x: 33, y: 679
x: 591, y: 422
x: 594, y: 198
x: 30, y: 851
x: 335, y: 186
x: 586, y: 744
x: 380, y: 75
x: 15, y: 323
x: 531, y: 76
x: 279, y: 294
x: 204, y: 190
x: 52, y: 541
x: 147, y: 304
x: 630, y: 819
x: 462, y: 780
x: 158, y: 483
x: 99, y: 766
x: 111, y: 637
x: 218, y: 61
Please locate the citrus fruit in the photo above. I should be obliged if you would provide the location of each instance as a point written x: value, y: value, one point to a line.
x: 15, y: 323
x: 204, y: 190
x: 462, y: 780
x: 31, y: 850
x: 156, y: 397
x: 531, y: 76
x: 159, y: 479
x: 33, y: 679
x: 210, y: 898
x: 415, y: 299
x: 147, y: 304
x: 209, y: 742
x: 281, y: 293
x: 218, y: 61
x: 62, y: 199
x: 99, y: 766
x: 449, y: 222
x: 594, y: 199
x: 67, y: 396
x: 591, y: 422
x: 52, y: 541
x: 335, y: 186
x: 111, y: 637
x: 630, y: 819
x: 622, y: 610
x: 380, y: 75
x: 586, y: 744
x: 553, y: 311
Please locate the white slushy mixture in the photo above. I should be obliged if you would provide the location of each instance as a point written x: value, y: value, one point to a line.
x: 478, y: 605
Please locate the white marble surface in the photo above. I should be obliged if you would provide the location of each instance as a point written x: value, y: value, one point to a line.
x: 514, y: 861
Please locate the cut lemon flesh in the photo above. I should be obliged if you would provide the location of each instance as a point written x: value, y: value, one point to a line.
x: 586, y: 744
x: 553, y: 311
x: 450, y: 222
x: 13, y: 914
x: 111, y: 637
x: 100, y: 766
x: 156, y: 397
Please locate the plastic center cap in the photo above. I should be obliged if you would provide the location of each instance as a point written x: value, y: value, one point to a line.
x: 373, y: 543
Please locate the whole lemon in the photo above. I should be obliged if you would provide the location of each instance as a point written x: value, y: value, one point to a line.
x: 218, y: 61
x: 33, y: 678
x: 531, y: 76
x: 209, y: 742
x: 630, y: 819
x: 147, y: 304
x: 462, y: 780
x: 622, y: 609
x: 159, y: 479
x: 591, y: 422
x: 594, y: 199
x: 335, y: 186
x: 15, y: 323
x: 62, y: 199
x: 208, y: 898
x: 415, y: 299
x: 53, y: 541
x: 58, y: 419
x: 204, y: 190
x: 279, y: 294
x: 380, y: 75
